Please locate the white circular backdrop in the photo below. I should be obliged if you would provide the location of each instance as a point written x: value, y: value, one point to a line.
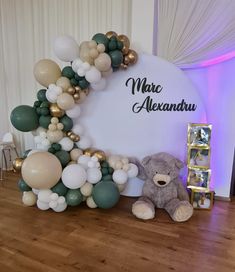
x: 108, y: 118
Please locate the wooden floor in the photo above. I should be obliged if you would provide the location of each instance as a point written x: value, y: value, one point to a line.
x: 82, y: 239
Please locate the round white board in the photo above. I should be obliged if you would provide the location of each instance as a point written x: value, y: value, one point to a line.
x: 108, y: 116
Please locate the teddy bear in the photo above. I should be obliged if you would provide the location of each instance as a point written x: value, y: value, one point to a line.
x: 162, y: 188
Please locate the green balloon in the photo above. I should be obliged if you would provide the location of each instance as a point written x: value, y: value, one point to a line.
x: 68, y: 72
x: 24, y: 118
x: 56, y: 146
x: 23, y: 186
x: 67, y: 122
x: 107, y: 177
x: 73, y: 197
x: 112, y: 45
x: 101, y: 38
x: 41, y: 95
x: 25, y: 153
x: 105, y: 194
x: 37, y: 104
x: 105, y: 171
x: 45, y: 121
x: 63, y: 157
x: 60, y: 189
x: 74, y: 82
x: 104, y: 164
x: 111, y: 170
x: 44, y: 111
x: 77, y: 77
x: 45, y: 104
x: 51, y: 150
x: 83, y: 83
x: 119, y: 45
x: 116, y: 58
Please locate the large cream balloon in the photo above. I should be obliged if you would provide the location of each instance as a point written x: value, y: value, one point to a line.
x: 103, y: 62
x: 84, y: 53
x: 41, y: 170
x: 46, y: 72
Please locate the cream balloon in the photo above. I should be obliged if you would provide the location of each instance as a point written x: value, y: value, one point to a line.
x: 54, y: 136
x: 91, y: 203
x: 103, y: 62
x: 29, y: 198
x: 65, y: 101
x: 84, y: 52
x: 75, y: 154
x: 64, y: 83
x: 41, y: 170
x: 46, y: 72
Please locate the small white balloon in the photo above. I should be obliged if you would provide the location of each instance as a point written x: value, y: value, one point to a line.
x: 78, y: 129
x: 53, y: 204
x: 83, y: 160
x: 61, y: 200
x: 120, y: 176
x: 42, y: 205
x: 74, y: 112
x: 85, y: 142
x: 94, y: 175
x: 54, y: 197
x: 86, y: 189
x: 35, y: 191
x: 60, y: 207
x: 74, y: 176
x: 86, y: 66
x: 66, y: 144
x: 44, y: 195
x: 91, y: 203
x: 93, y: 75
x: 66, y: 48
x: 81, y: 72
x: 133, y: 170
x: 76, y: 64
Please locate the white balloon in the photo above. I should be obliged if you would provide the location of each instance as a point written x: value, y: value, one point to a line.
x: 81, y: 72
x: 100, y: 85
x: 93, y: 75
x: 66, y: 48
x: 120, y: 176
x: 42, y: 205
x: 78, y: 129
x: 74, y: 176
x: 86, y: 66
x: 86, y: 189
x: 54, y: 197
x: 44, y: 195
x: 83, y: 160
x: 51, y: 97
x: 53, y: 204
x: 94, y: 175
x: 133, y: 171
x: 91, y: 203
x: 61, y: 200
x: 60, y: 207
x: 85, y: 142
x: 66, y: 144
x: 74, y: 112
x: 35, y: 191
x: 76, y: 64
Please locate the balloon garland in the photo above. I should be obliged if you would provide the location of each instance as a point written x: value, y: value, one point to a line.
x: 64, y: 170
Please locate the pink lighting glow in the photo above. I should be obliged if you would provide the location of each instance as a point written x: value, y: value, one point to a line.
x: 219, y: 59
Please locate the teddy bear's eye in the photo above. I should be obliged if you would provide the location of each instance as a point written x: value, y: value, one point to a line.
x: 156, y: 172
x: 169, y: 173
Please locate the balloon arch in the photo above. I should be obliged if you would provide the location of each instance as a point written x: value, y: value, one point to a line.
x: 64, y: 170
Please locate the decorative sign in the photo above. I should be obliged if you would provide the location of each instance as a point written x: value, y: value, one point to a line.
x: 143, y: 110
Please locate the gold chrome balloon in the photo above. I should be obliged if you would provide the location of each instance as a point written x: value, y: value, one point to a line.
x: 77, y: 89
x: 133, y: 57
x: 89, y: 152
x: 71, y: 90
x: 100, y: 155
x: 126, y: 43
x: 55, y: 111
x: 76, y: 97
x: 109, y: 34
x: 17, y: 164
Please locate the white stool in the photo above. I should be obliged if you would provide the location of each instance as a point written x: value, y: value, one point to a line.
x: 7, y: 145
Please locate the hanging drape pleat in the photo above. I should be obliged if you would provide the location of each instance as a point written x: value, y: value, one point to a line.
x: 190, y: 32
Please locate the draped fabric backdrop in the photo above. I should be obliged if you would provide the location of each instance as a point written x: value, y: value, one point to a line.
x: 27, y: 31
x: 190, y: 32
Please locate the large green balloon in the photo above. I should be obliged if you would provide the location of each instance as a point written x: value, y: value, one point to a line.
x: 73, y: 197
x: 68, y: 72
x: 67, y: 122
x: 101, y: 38
x: 105, y: 194
x: 45, y: 121
x: 60, y: 189
x: 23, y: 186
x: 63, y: 157
x: 116, y: 58
x: 24, y: 118
x: 41, y: 95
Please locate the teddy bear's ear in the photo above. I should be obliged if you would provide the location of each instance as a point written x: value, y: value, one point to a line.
x: 141, y: 173
x: 146, y: 160
x: 179, y: 164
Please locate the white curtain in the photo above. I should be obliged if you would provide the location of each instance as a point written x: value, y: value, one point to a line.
x: 27, y: 31
x: 190, y: 32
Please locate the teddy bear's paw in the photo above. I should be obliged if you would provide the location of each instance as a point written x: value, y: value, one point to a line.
x: 143, y: 210
x: 183, y: 212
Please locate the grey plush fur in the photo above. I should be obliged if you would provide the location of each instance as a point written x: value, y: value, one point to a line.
x: 162, y: 188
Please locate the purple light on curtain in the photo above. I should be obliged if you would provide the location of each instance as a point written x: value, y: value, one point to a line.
x: 219, y: 59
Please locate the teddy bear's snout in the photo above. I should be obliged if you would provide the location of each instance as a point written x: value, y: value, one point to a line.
x: 161, y: 180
